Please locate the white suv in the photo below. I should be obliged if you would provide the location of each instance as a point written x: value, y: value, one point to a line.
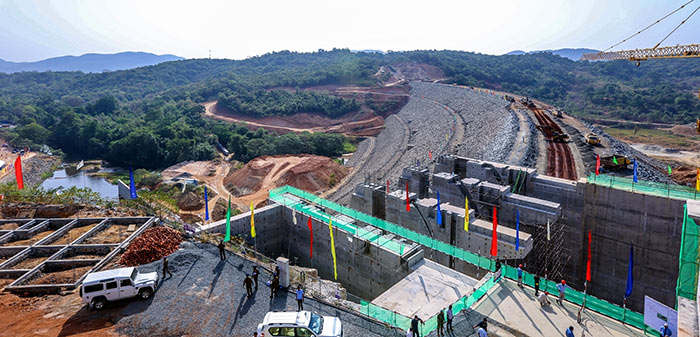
x: 116, y: 284
x: 299, y: 324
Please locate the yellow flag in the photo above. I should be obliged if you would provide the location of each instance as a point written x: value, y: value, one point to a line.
x: 252, y: 220
x: 335, y: 266
x: 466, y: 214
x: 697, y: 181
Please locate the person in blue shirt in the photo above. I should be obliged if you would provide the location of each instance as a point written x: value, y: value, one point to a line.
x: 300, y: 298
x: 520, y: 275
x: 665, y: 331
x: 570, y: 332
x: 562, y: 289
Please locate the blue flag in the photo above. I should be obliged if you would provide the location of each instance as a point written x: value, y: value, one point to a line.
x: 628, y: 290
x: 206, y: 205
x: 132, y: 185
x: 635, y: 170
x: 517, y: 229
x: 439, y: 213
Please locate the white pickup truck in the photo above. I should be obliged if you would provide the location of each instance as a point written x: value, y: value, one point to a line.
x: 116, y: 284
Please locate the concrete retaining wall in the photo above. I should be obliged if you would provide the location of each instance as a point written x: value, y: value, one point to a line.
x: 616, y: 218
x: 364, y: 268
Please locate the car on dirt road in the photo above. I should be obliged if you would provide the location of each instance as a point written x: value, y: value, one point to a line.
x: 111, y: 285
x: 300, y: 323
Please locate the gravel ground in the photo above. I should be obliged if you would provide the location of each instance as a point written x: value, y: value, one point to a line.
x: 437, y: 118
x: 32, y: 169
x: 648, y: 168
x: 206, y: 297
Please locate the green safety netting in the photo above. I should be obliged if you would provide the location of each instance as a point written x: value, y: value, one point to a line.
x: 592, y: 303
x: 430, y: 324
x: 647, y: 187
x: 689, y: 259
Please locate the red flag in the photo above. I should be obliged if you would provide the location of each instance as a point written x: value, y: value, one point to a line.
x: 597, y: 164
x: 430, y: 155
x: 494, y: 235
x: 18, y: 173
x: 588, y: 260
x: 387, y: 186
x: 311, y: 241
x: 408, y: 205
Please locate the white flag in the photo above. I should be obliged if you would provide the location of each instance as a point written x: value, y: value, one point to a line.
x: 80, y: 165
x: 548, y: 237
x: 294, y: 216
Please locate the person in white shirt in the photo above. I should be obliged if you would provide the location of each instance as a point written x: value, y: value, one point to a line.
x: 482, y: 332
x: 450, y: 316
x: 544, y: 301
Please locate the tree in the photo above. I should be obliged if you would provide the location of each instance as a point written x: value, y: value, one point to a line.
x: 34, y: 132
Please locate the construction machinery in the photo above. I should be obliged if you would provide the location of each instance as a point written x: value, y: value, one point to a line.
x: 593, y: 139
x: 614, y: 163
x: 559, y: 137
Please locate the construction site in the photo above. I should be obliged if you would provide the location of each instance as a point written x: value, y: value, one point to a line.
x: 387, y: 199
x: 417, y: 217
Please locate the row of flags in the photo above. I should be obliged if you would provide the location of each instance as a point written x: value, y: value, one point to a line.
x: 635, y: 166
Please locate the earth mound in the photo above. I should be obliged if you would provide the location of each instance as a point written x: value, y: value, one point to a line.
x: 307, y: 172
x: 154, y: 244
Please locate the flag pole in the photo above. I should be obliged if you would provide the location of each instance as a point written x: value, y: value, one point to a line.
x: 583, y: 304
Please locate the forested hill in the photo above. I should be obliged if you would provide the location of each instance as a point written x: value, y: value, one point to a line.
x: 150, y: 116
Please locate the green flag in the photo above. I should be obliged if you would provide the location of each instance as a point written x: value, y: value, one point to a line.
x: 614, y: 160
x: 669, y: 169
x: 228, y: 221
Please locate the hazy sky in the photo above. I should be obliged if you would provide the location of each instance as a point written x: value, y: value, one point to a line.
x: 33, y: 30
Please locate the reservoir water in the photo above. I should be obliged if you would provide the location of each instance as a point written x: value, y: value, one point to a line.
x: 81, y: 179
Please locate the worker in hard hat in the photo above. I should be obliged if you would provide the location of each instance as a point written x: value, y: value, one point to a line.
x: 562, y: 289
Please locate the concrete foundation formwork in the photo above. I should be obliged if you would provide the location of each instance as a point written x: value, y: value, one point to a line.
x: 616, y: 218
x: 368, y: 261
x: 39, y: 248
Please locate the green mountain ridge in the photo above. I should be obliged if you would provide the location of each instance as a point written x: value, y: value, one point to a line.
x: 150, y: 116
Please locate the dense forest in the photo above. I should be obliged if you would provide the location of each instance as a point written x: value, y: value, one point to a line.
x: 151, y: 117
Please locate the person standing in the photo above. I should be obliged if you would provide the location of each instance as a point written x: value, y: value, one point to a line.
x: 482, y: 332
x: 665, y: 331
x: 450, y: 316
x: 414, y: 325
x: 255, y: 276
x: 440, y: 323
x: 222, y: 250
x: 274, y: 284
x: 248, y: 282
x: 537, y: 285
x: 562, y: 289
x: 300, y: 298
x: 570, y: 332
x: 165, y: 268
x: 520, y: 275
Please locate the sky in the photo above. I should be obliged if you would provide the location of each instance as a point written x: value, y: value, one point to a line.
x: 34, y: 30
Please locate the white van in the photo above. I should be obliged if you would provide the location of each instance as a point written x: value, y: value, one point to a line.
x: 301, y: 324
x: 117, y: 284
